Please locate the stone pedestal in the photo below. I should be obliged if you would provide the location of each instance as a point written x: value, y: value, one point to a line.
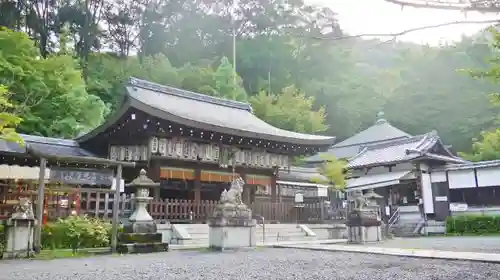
x: 232, y: 227
x: 140, y: 233
x: 19, y: 232
x: 363, y: 226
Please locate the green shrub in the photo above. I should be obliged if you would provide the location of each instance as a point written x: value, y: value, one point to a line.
x: 76, y: 232
x: 2, y: 238
x: 473, y: 225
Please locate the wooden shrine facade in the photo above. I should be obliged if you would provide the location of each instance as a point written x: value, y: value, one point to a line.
x: 194, y: 144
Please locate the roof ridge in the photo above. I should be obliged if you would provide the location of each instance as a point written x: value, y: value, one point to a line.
x: 53, y: 141
x: 377, y: 126
x: 396, y: 142
x: 370, y: 143
x: 135, y: 82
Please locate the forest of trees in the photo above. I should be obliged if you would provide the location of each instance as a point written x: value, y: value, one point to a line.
x: 63, y: 64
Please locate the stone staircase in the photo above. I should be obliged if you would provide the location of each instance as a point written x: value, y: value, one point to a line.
x: 197, y: 234
x: 283, y: 232
x: 409, y: 220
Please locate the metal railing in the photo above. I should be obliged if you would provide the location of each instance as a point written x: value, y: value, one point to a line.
x: 263, y: 225
x: 394, y: 218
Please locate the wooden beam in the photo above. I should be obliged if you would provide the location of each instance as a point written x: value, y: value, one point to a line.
x: 79, y: 159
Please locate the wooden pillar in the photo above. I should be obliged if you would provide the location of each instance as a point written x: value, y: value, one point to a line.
x: 197, y: 185
x: 40, y: 206
x: 156, y: 193
x: 274, y: 188
x: 116, y: 200
x: 246, y: 188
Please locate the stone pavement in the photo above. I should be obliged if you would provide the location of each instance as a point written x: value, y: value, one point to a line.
x: 401, y: 252
x: 481, y: 244
x: 267, y: 244
x: 261, y: 263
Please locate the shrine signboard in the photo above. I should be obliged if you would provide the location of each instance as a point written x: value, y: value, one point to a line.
x: 81, y: 176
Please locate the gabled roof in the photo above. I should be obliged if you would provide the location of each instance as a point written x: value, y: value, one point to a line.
x: 47, y: 145
x: 400, y: 150
x: 204, y: 112
x: 382, y: 131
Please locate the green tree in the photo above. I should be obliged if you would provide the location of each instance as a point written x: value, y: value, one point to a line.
x: 335, y: 170
x: 8, y: 119
x: 487, y: 148
x: 291, y: 110
x: 49, y: 93
x: 228, y: 83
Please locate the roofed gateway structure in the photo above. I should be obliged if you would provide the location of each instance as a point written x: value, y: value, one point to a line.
x: 195, y: 144
x: 382, y: 131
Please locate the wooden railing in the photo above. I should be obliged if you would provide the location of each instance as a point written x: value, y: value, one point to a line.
x: 99, y: 203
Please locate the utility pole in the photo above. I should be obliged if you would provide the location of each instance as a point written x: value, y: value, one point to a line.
x: 116, y: 203
x: 233, y: 23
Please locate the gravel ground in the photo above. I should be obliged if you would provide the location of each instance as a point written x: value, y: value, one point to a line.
x: 258, y: 264
x: 457, y: 244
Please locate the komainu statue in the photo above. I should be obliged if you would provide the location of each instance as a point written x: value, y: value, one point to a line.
x: 23, y: 210
x: 233, y: 196
x: 231, y: 204
x: 359, y: 199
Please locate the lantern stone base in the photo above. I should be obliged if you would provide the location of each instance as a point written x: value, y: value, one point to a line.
x: 140, y: 227
x: 19, y: 239
x: 142, y: 248
x: 141, y: 237
x: 364, y: 226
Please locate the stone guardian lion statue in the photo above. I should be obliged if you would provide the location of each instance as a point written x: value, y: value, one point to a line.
x: 234, y: 194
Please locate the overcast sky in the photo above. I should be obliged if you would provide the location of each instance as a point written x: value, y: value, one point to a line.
x: 378, y: 16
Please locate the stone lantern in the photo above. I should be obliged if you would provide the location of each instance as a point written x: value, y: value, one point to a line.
x: 19, y: 231
x: 140, y: 235
x: 140, y: 219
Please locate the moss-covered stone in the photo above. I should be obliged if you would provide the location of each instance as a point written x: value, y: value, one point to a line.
x: 140, y: 237
x: 142, y: 248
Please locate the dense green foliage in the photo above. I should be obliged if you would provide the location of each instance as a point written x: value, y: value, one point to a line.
x: 85, y: 50
x: 473, y: 225
x: 76, y: 232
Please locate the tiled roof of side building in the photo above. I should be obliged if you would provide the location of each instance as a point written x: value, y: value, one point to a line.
x: 382, y: 131
x: 402, y: 150
x: 47, y: 145
x: 207, y: 112
x: 302, y: 174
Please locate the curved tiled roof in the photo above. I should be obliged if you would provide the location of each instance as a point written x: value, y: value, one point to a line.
x: 207, y: 112
x: 382, y: 131
x: 47, y: 145
x: 402, y: 150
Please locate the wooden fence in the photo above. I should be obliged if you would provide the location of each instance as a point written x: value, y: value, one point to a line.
x: 99, y: 203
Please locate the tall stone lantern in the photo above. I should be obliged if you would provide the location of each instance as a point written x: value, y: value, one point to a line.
x: 140, y: 235
x: 141, y: 220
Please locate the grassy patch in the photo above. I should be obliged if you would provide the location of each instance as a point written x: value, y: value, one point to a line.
x: 61, y: 254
